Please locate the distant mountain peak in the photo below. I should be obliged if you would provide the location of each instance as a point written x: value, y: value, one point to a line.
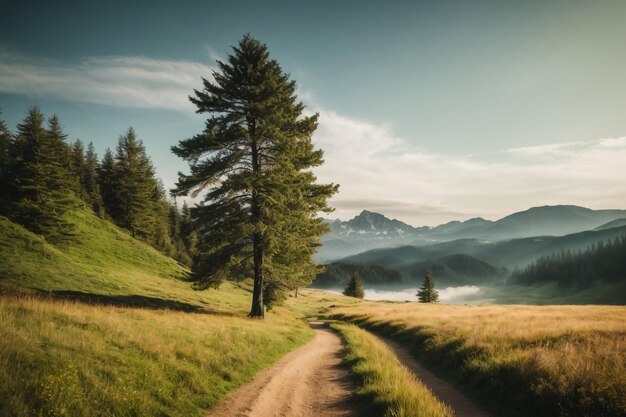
x: 369, y: 224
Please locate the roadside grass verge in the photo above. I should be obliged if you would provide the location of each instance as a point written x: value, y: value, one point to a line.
x: 383, y: 380
x: 535, y: 360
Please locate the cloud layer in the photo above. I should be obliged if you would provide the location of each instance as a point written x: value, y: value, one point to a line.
x: 120, y: 81
x: 379, y: 171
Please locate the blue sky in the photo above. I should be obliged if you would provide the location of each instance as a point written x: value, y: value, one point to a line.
x: 430, y: 111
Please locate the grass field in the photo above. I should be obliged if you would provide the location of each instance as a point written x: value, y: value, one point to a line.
x: 62, y: 358
x: 105, y: 326
x: 540, y: 361
x: 384, y: 381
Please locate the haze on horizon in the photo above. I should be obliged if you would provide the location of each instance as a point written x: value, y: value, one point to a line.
x: 429, y: 112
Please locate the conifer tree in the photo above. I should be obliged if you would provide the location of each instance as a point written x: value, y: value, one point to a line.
x: 134, y: 184
x: 89, y: 181
x: 188, y: 232
x: 259, y: 214
x: 58, y: 139
x: 427, y: 292
x: 77, y: 164
x: 159, y: 237
x: 40, y: 179
x: 354, y: 287
x: 6, y: 171
x: 107, y: 182
x: 181, y: 254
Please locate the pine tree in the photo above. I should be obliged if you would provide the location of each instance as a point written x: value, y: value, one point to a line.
x: 89, y: 181
x: 181, y: 254
x: 77, y: 164
x: 58, y: 139
x: 259, y: 214
x: 6, y: 169
x: 354, y: 287
x: 427, y: 292
x: 107, y: 182
x: 133, y: 202
x: 188, y: 232
x: 159, y: 236
x: 40, y: 179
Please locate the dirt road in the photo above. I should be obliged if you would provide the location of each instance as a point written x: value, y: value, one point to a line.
x: 309, y: 381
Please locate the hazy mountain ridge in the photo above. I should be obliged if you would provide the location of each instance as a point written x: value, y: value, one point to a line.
x: 371, y: 230
x: 612, y: 224
x: 511, y: 253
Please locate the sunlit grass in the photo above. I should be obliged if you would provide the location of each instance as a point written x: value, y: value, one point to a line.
x: 556, y: 360
x: 384, y: 380
x: 60, y: 358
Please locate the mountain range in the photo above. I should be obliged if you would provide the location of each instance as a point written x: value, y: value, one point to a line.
x: 371, y: 230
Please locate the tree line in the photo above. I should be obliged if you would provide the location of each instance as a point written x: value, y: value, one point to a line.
x: 602, y: 261
x: 43, y: 176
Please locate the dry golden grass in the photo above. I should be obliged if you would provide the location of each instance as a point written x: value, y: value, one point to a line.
x: 384, y: 381
x: 555, y: 360
x: 61, y: 358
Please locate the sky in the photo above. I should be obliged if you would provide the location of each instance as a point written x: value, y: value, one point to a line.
x: 429, y: 111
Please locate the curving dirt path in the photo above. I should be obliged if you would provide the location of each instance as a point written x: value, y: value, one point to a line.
x: 308, y: 382
x: 462, y: 406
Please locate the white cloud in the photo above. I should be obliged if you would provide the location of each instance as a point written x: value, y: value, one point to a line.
x: 119, y: 81
x: 382, y: 171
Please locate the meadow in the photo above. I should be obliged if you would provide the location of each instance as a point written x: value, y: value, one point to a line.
x: 536, y: 360
x: 106, y: 325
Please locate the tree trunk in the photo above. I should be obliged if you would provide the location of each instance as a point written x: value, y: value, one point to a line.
x: 257, y: 310
x: 296, y: 292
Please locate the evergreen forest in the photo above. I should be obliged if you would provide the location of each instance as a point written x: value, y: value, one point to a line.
x: 43, y: 176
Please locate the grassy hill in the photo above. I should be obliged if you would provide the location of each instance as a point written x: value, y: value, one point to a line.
x: 105, y: 326
x: 458, y: 269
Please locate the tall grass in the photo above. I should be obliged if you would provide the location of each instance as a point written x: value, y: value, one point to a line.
x: 94, y: 357
x: 384, y: 381
x: 542, y: 361
x: 62, y: 358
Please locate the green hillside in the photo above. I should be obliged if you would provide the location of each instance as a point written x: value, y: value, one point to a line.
x: 104, y: 263
x: 111, y: 328
x: 458, y: 269
x: 337, y: 275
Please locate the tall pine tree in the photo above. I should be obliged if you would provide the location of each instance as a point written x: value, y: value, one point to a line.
x: 77, y: 166
x: 6, y: 168
x: 40, y: 178
x: 135, y: 187
x: 89, y: 181
x: 107, y: 182
x: 253, y: 159
x: 188, y: 232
